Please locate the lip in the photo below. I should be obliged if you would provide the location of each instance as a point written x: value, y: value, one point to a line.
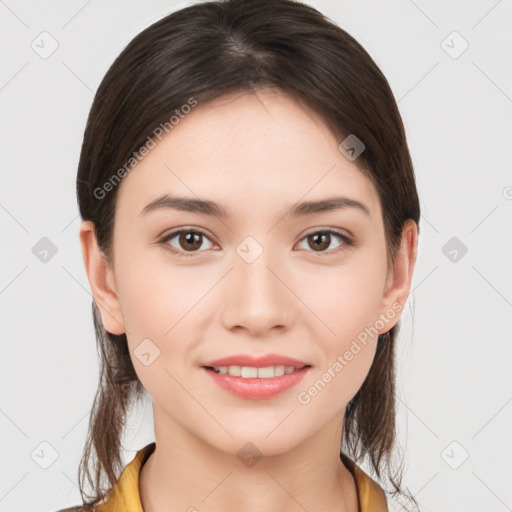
x: 259, y: 362
x: 254, y: 388
x: 257, y: 389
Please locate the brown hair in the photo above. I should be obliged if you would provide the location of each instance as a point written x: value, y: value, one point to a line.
x: 205, y: 51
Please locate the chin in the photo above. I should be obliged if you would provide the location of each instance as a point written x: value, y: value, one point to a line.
x: 267, y: 438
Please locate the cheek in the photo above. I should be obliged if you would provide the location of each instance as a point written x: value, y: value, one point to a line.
x: 161, y: 308
x: 167, y: 305
x: 348, y: 304
x: 347, y: 350
x: 157, y: 297
x: 346, y: 301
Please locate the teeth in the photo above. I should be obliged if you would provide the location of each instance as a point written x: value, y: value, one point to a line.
x: 251, y: 372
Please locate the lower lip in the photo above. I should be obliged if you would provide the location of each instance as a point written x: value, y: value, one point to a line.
x: 257, y: 389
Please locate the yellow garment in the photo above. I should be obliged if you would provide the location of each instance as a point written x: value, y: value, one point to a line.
x: 124, y: 497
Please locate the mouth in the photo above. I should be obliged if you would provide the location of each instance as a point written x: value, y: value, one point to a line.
x: 256, y: 378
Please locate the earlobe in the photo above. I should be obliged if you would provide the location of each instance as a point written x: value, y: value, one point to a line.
x: 400, y: 278
x: 102, y: 281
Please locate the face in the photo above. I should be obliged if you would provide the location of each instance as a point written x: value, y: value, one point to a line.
x: 258, y: 275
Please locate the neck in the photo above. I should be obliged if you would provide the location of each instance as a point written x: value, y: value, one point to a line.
x: 184, y: 473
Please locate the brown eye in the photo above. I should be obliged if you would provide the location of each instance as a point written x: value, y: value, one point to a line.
x: 320, y: 241
x: 190, y: 240
x: 185, y: 241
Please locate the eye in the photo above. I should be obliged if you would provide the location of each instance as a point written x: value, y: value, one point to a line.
x: 188, y: 240
x: 321, y: 240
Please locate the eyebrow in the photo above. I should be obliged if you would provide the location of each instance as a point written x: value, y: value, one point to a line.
x: 207, y: 207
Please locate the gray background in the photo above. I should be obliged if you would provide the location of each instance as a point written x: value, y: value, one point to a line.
x: 455, y: 410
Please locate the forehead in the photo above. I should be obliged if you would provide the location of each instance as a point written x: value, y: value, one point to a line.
x: 247, y: 150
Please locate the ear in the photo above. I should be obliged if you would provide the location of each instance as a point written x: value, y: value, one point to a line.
x: 400, y: 275
x: 101, y: 279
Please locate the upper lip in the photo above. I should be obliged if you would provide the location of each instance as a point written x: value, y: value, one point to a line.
x: 258, y: 362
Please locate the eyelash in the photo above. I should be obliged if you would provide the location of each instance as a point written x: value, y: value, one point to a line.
x: 347, y: 242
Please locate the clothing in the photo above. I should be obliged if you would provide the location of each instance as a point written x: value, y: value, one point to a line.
x: 125, y: 497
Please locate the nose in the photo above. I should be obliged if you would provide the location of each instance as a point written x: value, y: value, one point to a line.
x: 257, y: 297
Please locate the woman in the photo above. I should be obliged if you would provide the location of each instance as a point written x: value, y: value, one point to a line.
x: 250, y: 222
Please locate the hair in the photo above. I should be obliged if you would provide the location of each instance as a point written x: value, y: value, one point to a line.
x: 205, y: 51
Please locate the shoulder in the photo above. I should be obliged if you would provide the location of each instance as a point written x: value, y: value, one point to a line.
x: 73, y: 509
x: 97, y: 506
x: 125, y: 493
x: 90, y: 507
x: 371, y: 496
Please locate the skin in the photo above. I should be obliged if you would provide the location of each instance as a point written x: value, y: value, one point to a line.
x: 256, y: 156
